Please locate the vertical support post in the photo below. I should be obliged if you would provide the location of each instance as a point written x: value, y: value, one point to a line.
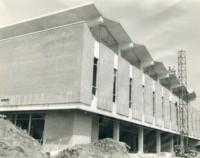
x: 15, y: 122
x: 172, y: 144
x: 116, y: 131
x: 29, y: 124
x: 158, y: 142
x: 95, y: 129
x: 140, y: 140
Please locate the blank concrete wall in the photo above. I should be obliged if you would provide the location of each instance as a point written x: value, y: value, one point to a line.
x: 158, y: 104
x: 105, y: 78
x: 148, y: 99
x: 195, y: 123
x: 137, y: 103
x: 82, y: 128
x: 190, y: 120
x: 174, y: 117
x: 43, y: 67
x: 123, y: 87
x: 166, y: 108
x: 87, y: 66
x: 58, y: 127
x: 66, y: 128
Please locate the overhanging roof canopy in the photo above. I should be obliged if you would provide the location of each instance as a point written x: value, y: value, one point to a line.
x: 191, y: 95
x: 181, y: 91
x: 137, y: 54
x: 111, y: 33
x: 156, y: 69
x: 170, y: 80
x: 142, y: 54
x: 117, y: 31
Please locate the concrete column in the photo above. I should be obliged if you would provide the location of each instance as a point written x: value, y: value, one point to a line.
x: 95, y: 129
x: 172, y: 144
x: 158, y: 142
x: 141, y: 140
x: 116, y: 131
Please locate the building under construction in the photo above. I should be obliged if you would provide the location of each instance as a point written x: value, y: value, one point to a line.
x: 74, y: 76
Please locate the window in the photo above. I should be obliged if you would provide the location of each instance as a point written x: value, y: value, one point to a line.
x: 130, y: 92
x: 176, y: 105
x: 94, y: 81
x: 154, y: 103
x: 114, y: 85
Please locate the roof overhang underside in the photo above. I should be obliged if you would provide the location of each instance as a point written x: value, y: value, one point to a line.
x: 157, y: 69
x: 137, y: 54
x: 191, y: 96
x: 111, y: 33
x: 170, y: 80
x: 182, y: 91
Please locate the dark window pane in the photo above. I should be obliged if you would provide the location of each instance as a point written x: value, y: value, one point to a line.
x: 94, y: 81
x: 37, y: 127
x: 23, y: 121
x: 130, y: 92
x: 114, y: 85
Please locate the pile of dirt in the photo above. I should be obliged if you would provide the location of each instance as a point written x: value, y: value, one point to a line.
x: 106, y: 148
x: 15, y: 143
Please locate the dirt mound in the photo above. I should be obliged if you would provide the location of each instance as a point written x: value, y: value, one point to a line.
x: 15, y: 143
x: 106, y: 148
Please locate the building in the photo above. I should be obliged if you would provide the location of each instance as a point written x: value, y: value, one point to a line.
x: 75, y: 76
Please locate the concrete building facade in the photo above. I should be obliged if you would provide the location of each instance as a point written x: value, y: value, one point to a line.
x: 74, y: 77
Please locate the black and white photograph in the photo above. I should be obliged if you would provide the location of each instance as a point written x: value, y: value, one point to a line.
x: 99, y: 79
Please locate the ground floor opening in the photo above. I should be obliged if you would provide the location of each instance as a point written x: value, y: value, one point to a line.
x: 32, y: 123
x: 61, y: 128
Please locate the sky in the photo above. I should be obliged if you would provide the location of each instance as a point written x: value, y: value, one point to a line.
x: 163, y: 26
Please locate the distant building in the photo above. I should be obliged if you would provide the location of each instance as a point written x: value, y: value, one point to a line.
x: 74, y: 77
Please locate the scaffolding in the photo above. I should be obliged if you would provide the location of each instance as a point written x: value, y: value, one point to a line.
x: 183, y: 123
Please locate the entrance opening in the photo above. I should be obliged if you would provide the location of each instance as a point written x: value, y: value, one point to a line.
x: 149, y: 140
x: 129, y: 135
x: 106, y: 128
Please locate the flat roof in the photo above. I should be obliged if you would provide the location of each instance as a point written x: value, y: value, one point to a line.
x: 85, y: 12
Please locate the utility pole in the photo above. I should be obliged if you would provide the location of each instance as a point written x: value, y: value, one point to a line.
x: 183, y: 124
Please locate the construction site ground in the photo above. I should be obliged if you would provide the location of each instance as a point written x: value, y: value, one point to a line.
x: 16, y: 143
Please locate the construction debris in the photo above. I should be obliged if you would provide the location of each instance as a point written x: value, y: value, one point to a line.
x: 15, y: 143
x: 106, y: 148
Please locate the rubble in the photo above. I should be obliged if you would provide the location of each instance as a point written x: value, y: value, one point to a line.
x: 106, y: 148
x: 15, y: 143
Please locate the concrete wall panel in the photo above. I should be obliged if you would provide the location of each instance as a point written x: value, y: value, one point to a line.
x: 105, y: 78
x: 58, y: 127
x: 87, y: 67
x: 158, y: 104
x: 65, y: 128
x: 148, y: 99
x: 43, y: 67
x: 174, y: 119
x: 166, y: 108
x: 137, y: 102
x: 123, y: 87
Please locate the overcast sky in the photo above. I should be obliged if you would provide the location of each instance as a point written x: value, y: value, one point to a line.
x: 164, y: 26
